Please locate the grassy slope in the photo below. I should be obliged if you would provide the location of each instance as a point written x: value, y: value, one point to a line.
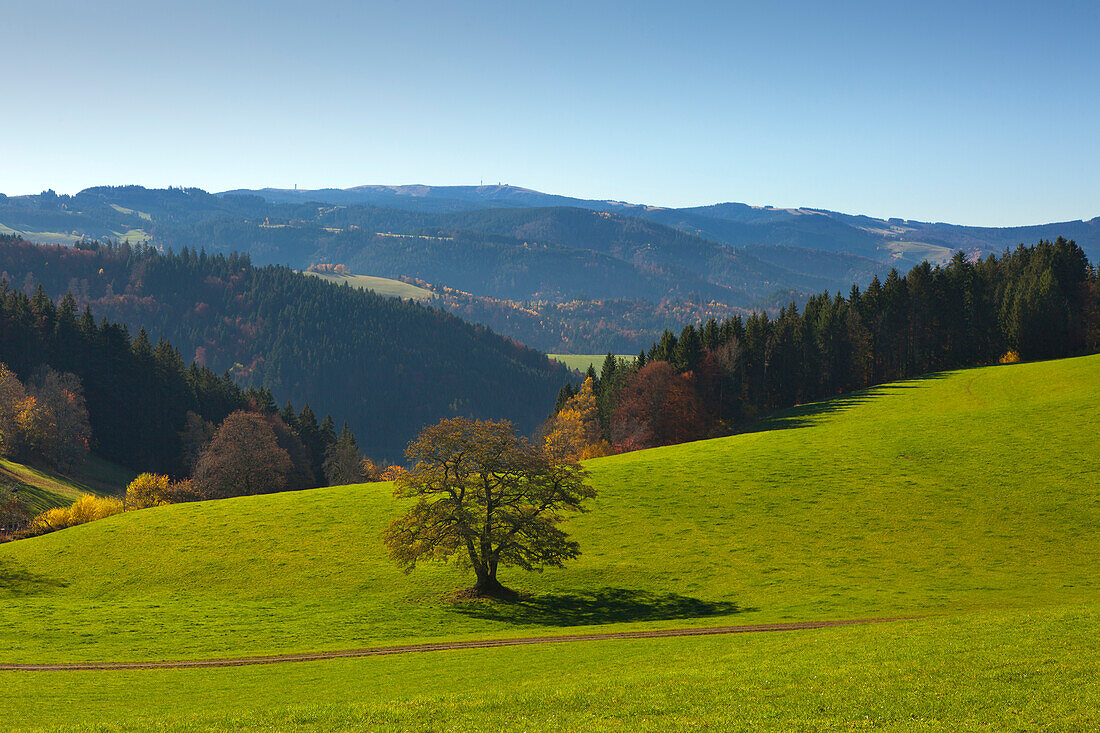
x: 580, y: 362
x: 911, y: 254
x: 380, y: 285
x: 930, y: 496
x: 967, y: 493
x: 40, y: 489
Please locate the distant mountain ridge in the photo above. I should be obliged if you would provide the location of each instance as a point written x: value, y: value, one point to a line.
x: 520, y: 253
x: 806, y: 227
x: 555, y: 272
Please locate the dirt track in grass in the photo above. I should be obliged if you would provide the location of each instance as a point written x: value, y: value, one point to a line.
x: 448, y: 646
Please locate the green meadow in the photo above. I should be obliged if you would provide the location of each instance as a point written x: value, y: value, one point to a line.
x: 124, y: 210
x: 581, y: 362
x: 381, y: 285
x: 984, y: 671
x: 914, y: 253
x: 37, y: 237
x: 132, y: 236
x: 971, y: 499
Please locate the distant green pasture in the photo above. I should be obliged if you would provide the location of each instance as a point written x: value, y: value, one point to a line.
x: 124, y: 210
x: 915, y: 253
x: 65, y: 238
x: 381, y: 285
x: 581, y: 362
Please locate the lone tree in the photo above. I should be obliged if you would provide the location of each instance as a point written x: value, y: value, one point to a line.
x: 487, y: 493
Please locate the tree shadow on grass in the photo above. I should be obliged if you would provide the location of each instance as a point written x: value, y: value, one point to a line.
x: 19, y: 582
x: 606, y: 606
x: 802, y: 416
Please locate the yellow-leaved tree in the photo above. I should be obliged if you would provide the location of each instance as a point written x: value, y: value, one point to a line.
x: 87, y: 508
x: 574, y: 432
x: 148, y: 489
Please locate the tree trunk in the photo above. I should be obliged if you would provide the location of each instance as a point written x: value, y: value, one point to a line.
x: 488, y: 586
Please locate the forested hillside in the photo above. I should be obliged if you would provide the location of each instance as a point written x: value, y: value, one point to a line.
x: 1038, y: 302
x: 386, y: 366
x: 735, y: 224
x: 512, y: 253
x: 126, y: 399
x: 553, y: 272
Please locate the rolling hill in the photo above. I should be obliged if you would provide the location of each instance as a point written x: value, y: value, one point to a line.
x: 388, y: 367
x: 862, y: 506
x: 538, y: 251
x: 728, y: 223
x: 959, y: 496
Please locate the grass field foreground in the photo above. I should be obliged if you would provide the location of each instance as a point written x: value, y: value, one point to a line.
x: 1009, y: 670
x: 959, y: 492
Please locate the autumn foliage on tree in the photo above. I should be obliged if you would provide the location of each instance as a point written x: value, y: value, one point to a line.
x: 15, y: 412
x: 148, y: 489
x: 243, y: 458
x: 59, y: 428
x: 485, y: 495
x: 87, y: 508
x: 391, y: 473
x: 658, y: 407
x: 154, y: 489
x: 574, y: 433
x: 46, y: 420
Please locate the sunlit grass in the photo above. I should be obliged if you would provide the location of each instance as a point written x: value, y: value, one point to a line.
x: 1021, y: 670
x: 969, y: 498
x: 381, y: 285
x: 935, y: 496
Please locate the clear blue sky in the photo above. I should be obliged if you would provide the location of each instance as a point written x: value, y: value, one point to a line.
x: 970, y: 112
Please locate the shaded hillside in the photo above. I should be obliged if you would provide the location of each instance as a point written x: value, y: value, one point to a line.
x: 516, y: 253
x: 39, y: 488
x: 835, y: 266
x: 484, y: 263
x: 730, y: 223
x: 387, y: 366
x: 512, y: 253
x: 635, y: 240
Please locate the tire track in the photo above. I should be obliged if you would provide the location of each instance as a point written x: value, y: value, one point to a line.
x: 446, y: 646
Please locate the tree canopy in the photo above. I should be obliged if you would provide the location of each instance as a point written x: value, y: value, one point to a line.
x: 244, y: 458
x: 486, y: 494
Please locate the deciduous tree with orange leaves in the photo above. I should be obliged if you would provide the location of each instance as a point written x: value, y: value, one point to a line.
x: 485, y: 495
